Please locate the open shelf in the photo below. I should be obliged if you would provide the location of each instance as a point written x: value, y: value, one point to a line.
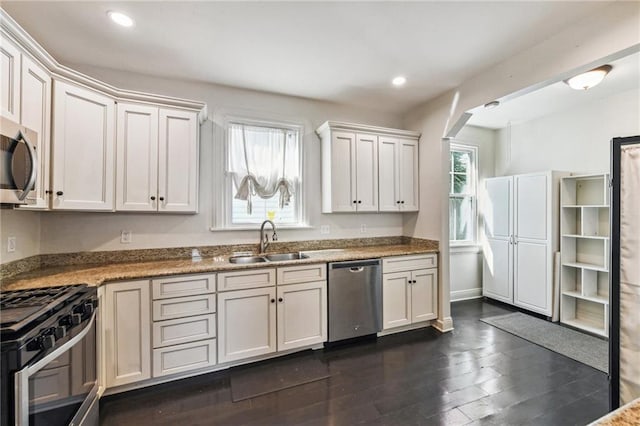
x: 584, y: 252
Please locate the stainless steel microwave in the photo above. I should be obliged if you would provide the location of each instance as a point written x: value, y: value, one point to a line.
x: 18, y: 163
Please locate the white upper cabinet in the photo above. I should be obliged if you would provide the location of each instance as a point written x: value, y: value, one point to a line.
x: 178, y: 161
x: 137, y: 158
x: 368, y: 169
x: 9, y: 80
x: 83, y: 149
x: 398, y: 171
x: 35, y: 106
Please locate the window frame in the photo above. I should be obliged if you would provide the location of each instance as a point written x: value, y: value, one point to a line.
x: 224, y: 209
x: 472, y: 194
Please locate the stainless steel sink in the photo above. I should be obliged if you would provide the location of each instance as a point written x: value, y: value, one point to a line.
x: 286, y: 256
x: 247, y: 259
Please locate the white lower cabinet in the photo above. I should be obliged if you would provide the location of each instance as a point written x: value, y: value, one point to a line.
x: 126, y: 332
x: 410, y: 296
x: 247, y: 323
x: 302, y: 315
x: 185, y: 357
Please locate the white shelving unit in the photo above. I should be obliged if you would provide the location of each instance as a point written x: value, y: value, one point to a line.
x: 584, y: 248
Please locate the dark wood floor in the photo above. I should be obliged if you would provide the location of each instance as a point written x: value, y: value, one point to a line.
x: 476, y: 374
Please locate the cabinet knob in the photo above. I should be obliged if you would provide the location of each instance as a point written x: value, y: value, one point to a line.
x: 59, y: 193
x: 359, y: 201
x: 47, y: 192
x: 273, y: 300
x: 401, y: 202
x: 398, y: 202
x: 153, y: 198
x: 280, y: 299
x: 354, y: 201
x: 161, y: 198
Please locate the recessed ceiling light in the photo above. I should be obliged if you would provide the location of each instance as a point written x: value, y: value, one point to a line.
x: 589, y: 79
x: 120, y: 19
x: 399, y: 81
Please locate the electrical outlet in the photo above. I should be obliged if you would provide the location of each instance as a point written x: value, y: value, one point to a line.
x: 324, y: 229
x: 125, y: 237
x: 363, y: 228
x: 11, y: 244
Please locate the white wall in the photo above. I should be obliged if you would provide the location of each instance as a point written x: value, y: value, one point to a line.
x: 68, y: 232
x: 575, y: 140
x: 466, y: 262
x: 577, y: 48
x: 25, y: 227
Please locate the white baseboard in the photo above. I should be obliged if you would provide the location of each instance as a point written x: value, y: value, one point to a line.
x: 444, y: 325
x: 472, y: 293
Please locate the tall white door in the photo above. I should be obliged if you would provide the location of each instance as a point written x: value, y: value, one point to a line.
x: 424, y: 295
x: 396, y: 299
x: 497, y: 270
x: 9, y: 81
x: 343, y: 172
x: 532, y: 274
x: 127, y: 332
x: 36, y: 115
x: 178, y: 161
x: 408, y: 174
x: 137, y: 158
x: 246, y: 323
x: 302, y: 315
x: 388, y: 176
x: 83, y: 149
x: 366, y: 194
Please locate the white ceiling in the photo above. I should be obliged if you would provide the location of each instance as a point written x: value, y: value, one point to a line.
x: 555, y: 97
x: 345, y: 52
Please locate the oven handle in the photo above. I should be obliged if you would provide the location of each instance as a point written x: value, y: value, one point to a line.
x: 31, y: 183
x: 22, y: 376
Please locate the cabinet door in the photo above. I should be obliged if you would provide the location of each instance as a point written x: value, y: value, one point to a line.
x: 424, y: 295
x: 137, y: 158
x: 498, y: 218
x: 408, y: 175
x: 302, y: 315
x: 532, y: 278
x: 532, y: 198
x: 9, y: 81
x: 396, y: 300
x: 178, y: 161
x: 343, y: 172
x: 497, y: 269
x: 83, y: 149
x: 246, y: 323
x: 388, y: 176
x: 36, y: 115
x: 127, y: 325
x: 366, y: 173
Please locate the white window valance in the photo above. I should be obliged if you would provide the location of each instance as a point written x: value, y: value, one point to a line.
x: 263, y: 161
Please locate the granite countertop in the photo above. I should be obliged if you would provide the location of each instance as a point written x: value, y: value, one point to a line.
x: 97, y: 274
x: 627, y: 415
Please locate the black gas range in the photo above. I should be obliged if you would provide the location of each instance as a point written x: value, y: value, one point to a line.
x: 48, y: 351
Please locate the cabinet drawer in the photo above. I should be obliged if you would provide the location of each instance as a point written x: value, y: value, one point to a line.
x: 302, y: 274
x: 241, y: 280
x: 184, y: 307
x: 179, y: 358
x: 180, y: 286
x: 183, y: 330
x: 409, y: 263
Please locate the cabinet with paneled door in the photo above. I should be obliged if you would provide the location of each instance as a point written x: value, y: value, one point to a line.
x: 368, y: 168
x: 398, y: 173
x: 409, y: 290
x: 25, y: 98
x: 157, y: 159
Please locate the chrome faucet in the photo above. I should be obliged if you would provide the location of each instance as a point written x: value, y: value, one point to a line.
x: 264, y: 238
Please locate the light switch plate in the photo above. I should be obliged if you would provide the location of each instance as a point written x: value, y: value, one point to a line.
x: 363, y: 228
x: 324, y: 229
x: 11, y: 244
x: 125, y: 237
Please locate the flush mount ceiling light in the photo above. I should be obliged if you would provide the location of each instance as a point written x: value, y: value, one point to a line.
x: 589, y: 79
x: 120, y: 19
x: 399, y: 81
x: 491, y: 105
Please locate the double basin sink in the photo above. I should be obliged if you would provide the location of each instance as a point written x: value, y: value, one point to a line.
x: 268, y: 258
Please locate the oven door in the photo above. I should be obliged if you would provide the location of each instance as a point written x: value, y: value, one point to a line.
x: 61, y: 388
x: 18, y: 162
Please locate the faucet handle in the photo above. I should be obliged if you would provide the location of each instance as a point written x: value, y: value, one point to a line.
x: 274, y: 237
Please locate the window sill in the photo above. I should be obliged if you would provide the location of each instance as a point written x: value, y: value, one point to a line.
x: 465, y: 248
x: 257, y: 228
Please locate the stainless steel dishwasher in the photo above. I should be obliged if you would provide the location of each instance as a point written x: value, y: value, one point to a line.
x: 355, y: 299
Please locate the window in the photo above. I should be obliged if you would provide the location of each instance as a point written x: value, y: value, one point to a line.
x: 462, y: 194
x: 263, y: 174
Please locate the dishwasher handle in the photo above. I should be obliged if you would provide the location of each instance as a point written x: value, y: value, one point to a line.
x: 356, y: 264
x: 356, y: 269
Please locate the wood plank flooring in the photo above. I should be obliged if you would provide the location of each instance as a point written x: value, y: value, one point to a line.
x: 475, y: 375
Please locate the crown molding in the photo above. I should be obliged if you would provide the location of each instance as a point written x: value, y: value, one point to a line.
x: 365, y: 128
